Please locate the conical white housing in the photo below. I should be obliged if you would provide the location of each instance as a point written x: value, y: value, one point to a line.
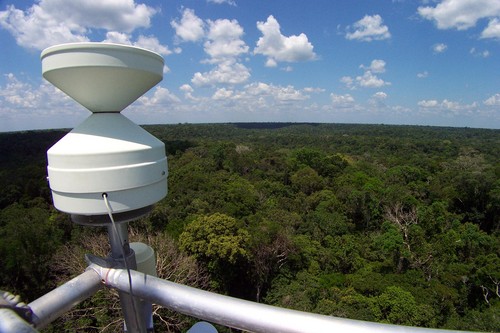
x: 102, y: 77
x: 107, y: 153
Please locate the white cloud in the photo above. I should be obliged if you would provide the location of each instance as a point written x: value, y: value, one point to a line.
x: 222, y: 93
x: 313, y: 90
x: 379, y: 95
x: 223, y: 45
x: 226, y: 72
x: 492, y: 30
x: 273, y: 92
x: 289, y: 93
x: 161, y: 96
x: 368, y: 28
x: 277, y: 47
x: 186, y: 88
x: 348, y: 81
x: 147, y: 42
x: 188, y: 91
x: 376, y: 66
x: 51, y: 22
x: 377, y: 100
x: 428, y: 103
x: 220, y: 2
x: 480, y: 54
x: 449, y: 107
x: 461, y: 14
x: 342, y: 101
x: 190, y: 28
x: 117, y: 37
x: 439, y: 48
x: 423, y: 75
x: 224, y: 40
x: 152, y: 43
x: 369, y: 80
x: 493, y: 100
x: 27, y: 106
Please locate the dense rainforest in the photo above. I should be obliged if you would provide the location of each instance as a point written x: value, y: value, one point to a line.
x: 394, y: 224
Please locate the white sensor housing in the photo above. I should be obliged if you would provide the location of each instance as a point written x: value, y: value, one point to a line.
x: 107, y: 153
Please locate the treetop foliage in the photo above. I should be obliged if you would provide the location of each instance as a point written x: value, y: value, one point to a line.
x: 396, y: 224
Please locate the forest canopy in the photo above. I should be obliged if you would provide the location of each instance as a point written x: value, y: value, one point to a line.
x: 394, y: 224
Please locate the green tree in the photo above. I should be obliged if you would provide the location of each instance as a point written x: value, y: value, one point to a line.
x: 398, y: 306
x: 307, y: 180
x: 218, y: 242
x: 28, y: 239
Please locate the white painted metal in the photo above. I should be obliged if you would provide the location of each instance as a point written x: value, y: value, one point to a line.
x: 10, y: 322
x: 144, y: 257
x: 107, y: 153
x: 237, y: 313
x: 103, y: 77
x: 53, y: 304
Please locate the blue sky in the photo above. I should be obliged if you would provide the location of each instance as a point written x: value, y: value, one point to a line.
x: 345, y: 61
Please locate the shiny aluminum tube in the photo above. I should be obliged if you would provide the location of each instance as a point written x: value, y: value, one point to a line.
x: 53, y: 304
x: 237, y: 313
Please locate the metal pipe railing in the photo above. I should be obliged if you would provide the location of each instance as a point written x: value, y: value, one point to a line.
x: 56, y: 302
x: 237, y: 313
x: 11, y: 322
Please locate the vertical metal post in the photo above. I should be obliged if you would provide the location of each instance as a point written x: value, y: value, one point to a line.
x: 131, y: 306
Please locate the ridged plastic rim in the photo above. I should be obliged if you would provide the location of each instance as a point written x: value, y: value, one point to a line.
x: 98, y: 45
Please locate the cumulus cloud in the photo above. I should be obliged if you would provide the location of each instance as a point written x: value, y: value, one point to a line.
x: 342, y: 101
x: 481, y: 54
x: 493, y: 100
x: 190, y: 28
x: 226, y: 72
x: 188, y: 91
x: 314, y: 90
x: 464, y: 14
x: 376, y: 66
x: 148, y: 42
x: 348, y: 81
x: 492, y: 30
x: 367, y: 29
x: 380, y: 95
x: 368, y: 79
x: 224, y: 40
x: 152, y: 43
x: 272, y: 92
x: 428, y: 103
x: 161, y: 96
x: 220, y: 2
x: 222, y: 93
x: 423, y: 75
x: 447, y: 106
x: 377, y: 100
x: 277, y: 47
x: 439, y: 48
x: 52, y: 22
x: 223, y: 44
x: 21, y: 102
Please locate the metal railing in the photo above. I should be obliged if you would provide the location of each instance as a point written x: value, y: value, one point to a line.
x: 209, y: 306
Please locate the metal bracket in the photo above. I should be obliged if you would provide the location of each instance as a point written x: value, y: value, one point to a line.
x: 13, y: 302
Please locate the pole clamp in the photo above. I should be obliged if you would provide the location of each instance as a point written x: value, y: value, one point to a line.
x: 13, y: 303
